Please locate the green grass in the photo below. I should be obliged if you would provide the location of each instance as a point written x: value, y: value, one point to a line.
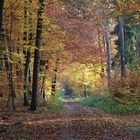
x: 109, y: 105
x: 135, y: 130
x: 54, y: 102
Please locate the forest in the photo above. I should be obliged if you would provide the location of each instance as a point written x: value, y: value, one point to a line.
x: 70, y: 70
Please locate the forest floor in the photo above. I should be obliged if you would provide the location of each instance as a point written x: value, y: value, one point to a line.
x: 74, y: 122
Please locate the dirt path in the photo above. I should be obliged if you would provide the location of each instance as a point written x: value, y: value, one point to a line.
x: 74, y: 122
x: 85, y: 123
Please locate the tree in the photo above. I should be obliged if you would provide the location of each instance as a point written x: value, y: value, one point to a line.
x: 37, y: 56
x: 126, y: 13
x: 108, y: 55
x: 1, y: 14
x: 122, y: 46
x: 54, y: 79
x: 8, y: 58
x: 138, y: 44
x: 28, y: 37
x: 44, y: 70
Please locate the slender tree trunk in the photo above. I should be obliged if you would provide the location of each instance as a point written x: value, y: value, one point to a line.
x: 43, y: 81
x: 54, y: 80
x: 27, y: 57
x: 1, y: 23
x: 1, y: 15
x: 122, y: 46
x: 9, y: 66
x: 19, y: 70
x: 37, y: 56
x: 43, y: 88
x: 84, y: 83
x: 28, y: 38
x: 26, y: 80
x: 85, y: 90
x: 108, y: 55
x: 138, y: 48
x: 13, y: 93
x: 101, y: 53
x: 10, y: 81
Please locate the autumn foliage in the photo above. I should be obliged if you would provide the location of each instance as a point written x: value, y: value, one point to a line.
x: 127, y: 89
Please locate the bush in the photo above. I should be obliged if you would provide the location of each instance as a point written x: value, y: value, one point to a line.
x: 53, y: 102
x: 126, y: 89
x: 109, y: 105
x: 135, y: 130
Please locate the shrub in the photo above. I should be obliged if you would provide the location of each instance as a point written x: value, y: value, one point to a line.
x: 135, y: 130
x: 126, y: 89
x: 109, y: 105
x: 53, y: 102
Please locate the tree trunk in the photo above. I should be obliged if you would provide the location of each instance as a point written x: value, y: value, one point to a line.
x: 122, y: 46
x: 101, y: 53
x: 10, y: 81
x: 1, y: 15
x: 33, y: 106
x: 54, y: 80
x: 27, y: 37
x: 8, y: 64
x: 85, y: 90
x: 43, y: 88
x: 13, y: 93
x: 26, y: 79
x: 108, y: 55
x: 138, y: 48
x: 19, y: 69
x: 43, y: 81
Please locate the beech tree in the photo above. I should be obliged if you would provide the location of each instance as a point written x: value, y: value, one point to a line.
x: 1, y: 14
x: 138, y: 45
x: 37, y: 56
x: 122, y: 46
x: 108, y: 55
x: 54, y: 79
x: 28, y: 37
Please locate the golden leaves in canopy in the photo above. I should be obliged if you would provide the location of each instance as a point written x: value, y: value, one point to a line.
x: 129, y: 9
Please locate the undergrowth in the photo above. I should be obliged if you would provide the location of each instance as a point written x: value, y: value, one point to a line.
x: 109, y: 105
x: 135, y: 130
x: 53, y: 102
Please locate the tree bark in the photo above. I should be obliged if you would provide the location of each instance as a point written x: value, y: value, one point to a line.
x: 138, y: 48
x: 54, y: 79
x: 43, y: 81
x: 27, y: 37
x: 26, y: 79
x: 43, y: 88
x: 33, y: 106
x: 1, y: 15
x: 8, y: 64
x: 101, y: 53
x: 122, y: 46
x: 85, y: 90
x: 108, y: 55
